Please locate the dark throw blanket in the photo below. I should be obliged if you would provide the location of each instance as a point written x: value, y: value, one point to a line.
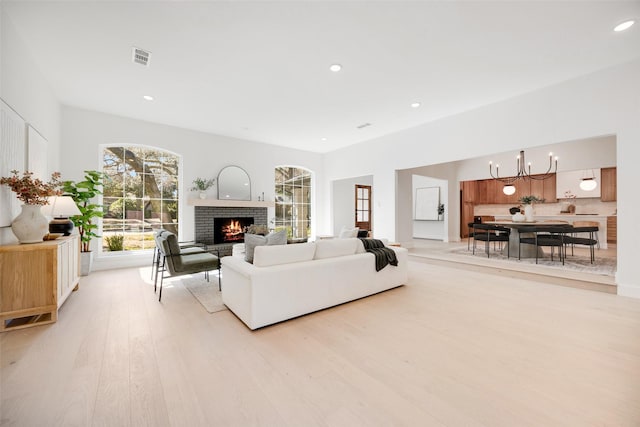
x: 383, y: 254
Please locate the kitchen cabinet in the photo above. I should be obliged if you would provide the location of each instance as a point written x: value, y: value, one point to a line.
x: 612, y: 229
x: 609, y: 183
x: 35, y: 279
x: 544, y: 189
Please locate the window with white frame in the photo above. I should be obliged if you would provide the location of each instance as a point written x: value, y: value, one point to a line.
x: 293, y: 201
x: 140, y: 196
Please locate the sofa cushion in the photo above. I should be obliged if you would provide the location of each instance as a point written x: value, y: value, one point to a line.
x: 251, y: 241
x: 331, y: 248
x: 265, y: 256
x: 347, y: 232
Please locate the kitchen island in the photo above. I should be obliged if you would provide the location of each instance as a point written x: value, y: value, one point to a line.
x: 571, y: 218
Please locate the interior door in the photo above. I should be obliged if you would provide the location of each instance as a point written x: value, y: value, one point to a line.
x: 363, y: 207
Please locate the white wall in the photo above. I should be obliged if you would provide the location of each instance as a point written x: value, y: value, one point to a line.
x: 24, y: 88
x: 204, y: 155
x: 344, y: 193
x: 434, y: 230
x: 602, y: 103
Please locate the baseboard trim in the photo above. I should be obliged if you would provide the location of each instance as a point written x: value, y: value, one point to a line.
x: 631, y: 291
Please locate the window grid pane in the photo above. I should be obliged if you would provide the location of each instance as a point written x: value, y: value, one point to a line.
x: 293, y: 201
x: 140, y: 196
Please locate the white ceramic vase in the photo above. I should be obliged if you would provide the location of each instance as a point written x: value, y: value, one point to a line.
x: 203, y: 195
x: 30, y: 226
x: 528, y: 213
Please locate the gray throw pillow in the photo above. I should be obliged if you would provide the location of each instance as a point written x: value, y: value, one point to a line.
x: 253, y: 240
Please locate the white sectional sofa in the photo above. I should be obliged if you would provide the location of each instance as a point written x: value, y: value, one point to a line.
x: 287, y: 281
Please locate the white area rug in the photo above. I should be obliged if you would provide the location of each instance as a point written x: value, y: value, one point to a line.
x: 206, y: 293
x: 601, y: 265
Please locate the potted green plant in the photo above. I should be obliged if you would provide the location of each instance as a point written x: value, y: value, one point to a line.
x: 528, y: 202
x: 202, y: 185
x: 83, y: 193
x: 530, y: 199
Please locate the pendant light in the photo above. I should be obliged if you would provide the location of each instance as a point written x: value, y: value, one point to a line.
x: 589, y: 183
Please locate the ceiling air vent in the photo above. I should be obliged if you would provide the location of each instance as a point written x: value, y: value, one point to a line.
x: 140, y: 56
x: 364, y: 125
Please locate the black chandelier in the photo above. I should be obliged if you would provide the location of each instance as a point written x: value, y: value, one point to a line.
x: 522, y: 173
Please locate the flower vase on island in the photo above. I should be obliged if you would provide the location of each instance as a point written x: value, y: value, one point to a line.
x: 528, y: 213
x: 528, y: 202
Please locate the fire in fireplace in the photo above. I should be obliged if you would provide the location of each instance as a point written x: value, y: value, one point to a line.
x: 230, y: 230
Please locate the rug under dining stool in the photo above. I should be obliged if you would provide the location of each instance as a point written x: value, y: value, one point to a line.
x: 206, y: 293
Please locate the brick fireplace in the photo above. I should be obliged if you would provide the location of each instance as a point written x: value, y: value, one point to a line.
x: 205, y: 222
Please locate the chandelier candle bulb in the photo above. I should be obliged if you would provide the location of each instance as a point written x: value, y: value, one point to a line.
x: 523, y: 172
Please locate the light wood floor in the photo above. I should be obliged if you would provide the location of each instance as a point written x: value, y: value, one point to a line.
x: 451, y: 348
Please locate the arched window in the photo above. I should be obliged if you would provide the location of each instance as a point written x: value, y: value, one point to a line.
x: 293, y: 201
x: 140, y: 196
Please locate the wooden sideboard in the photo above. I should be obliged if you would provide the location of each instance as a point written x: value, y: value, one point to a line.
x: 35, y: 279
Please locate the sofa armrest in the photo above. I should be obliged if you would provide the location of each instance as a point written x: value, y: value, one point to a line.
x: 239, y: 265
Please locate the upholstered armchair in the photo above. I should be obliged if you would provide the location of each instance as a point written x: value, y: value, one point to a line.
x: 176, y: 261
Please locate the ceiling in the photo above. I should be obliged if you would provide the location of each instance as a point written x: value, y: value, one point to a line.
x: 260, y: 70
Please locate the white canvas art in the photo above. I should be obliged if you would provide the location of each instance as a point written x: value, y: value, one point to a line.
x: 426, y: 203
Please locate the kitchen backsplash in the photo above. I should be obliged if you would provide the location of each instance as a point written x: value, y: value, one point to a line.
x: 583, y: 206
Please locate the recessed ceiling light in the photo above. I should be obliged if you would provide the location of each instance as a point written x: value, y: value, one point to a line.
x: 148, y: 97
x: 335, y: 67
x: 415, y: 104
x: 624, y: 25
x: 323, y: 139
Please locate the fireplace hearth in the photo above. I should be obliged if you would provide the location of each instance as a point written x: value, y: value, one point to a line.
x: 230, y: 230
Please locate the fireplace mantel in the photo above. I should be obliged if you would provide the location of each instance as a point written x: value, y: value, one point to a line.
x: 231, y: 203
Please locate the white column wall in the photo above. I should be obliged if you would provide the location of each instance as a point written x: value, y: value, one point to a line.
x: 603, y: 103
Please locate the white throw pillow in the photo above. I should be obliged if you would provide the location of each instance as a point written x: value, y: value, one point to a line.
x: 336, y: 247
x: 265, y: 256
x: 253, y: 240
x: 347, y: 232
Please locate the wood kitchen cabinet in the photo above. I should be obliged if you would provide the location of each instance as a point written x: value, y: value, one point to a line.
x: 612, y: 229
x: 609, y: 183
x: 544, y: 189
x: 35, y: 279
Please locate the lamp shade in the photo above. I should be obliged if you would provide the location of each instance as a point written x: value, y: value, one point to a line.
x: 509, y: 189
x: 588, y: 184
x: 61, y: 208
